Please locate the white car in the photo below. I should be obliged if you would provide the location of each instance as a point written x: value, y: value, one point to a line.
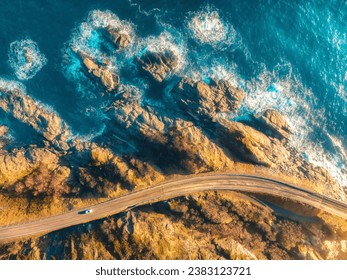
x: 88, y: 211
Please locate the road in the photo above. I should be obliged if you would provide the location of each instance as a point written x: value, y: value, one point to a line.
x: 171, y: 189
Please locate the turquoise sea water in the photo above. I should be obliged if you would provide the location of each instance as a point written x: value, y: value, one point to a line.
x: 287, y: 55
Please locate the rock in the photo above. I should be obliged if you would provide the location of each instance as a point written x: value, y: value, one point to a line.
x: 4, y: 139
x: 103, y: 72
x: 198, y: 153
x: 205, y: 100
x: 120, y: 38
x: 108, y: 170
x: 194, y: 150
x: 140, y: 121
x: 177, y: 207
x: 252, y: 145
x: 158, y: 64
x: 19, y: 163
x: 3, y: 130
x: 42, y: 119
x: 27, y: 55
x: 274, y: 124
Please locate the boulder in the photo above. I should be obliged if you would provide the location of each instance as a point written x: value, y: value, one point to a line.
x: 27, y: 55
x: 272, y: 123
x: 102, y: 72
x: 120, y: 38
x: 158, y: 64
x: 205, y: 100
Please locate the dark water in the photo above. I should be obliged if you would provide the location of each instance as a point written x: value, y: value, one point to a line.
x: 289, y: 55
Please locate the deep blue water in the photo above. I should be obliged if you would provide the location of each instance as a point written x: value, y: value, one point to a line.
x: 290, y: 55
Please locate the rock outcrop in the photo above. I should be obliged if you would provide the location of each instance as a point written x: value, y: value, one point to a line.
x: 3, y: 136
x: 19, y: 163
x: 103, y: 72
x: 274, y: 124
x: 193, y: 149
x: 158, y: 64
x: 251, y: 144
x: 42, y: 119
x: 34, y: 170
x: 205, y: 100
x: 120, y: 38
x: 197, y: 152
x: 107, y: 173
x: 139, y: 120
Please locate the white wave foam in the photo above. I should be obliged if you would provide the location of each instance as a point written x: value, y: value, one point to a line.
x: 11, y: 85
x: 89, y: 37
x: 26, y: 59
x: 282, y: 91
x: 207, y: 27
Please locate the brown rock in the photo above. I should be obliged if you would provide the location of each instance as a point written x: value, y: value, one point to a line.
x: 102, y: 72
x: 158, y: 64
x: 198, y: 152
x: 206, y: 100
x: 27, y: 55
x: 45, y: 121
x: 274, y: 124
x: 120, y: 38
x: 3, y: 130
x: 251, y: 144
x: 130, y: 171
x: 139, y: 120
x: 19, y: 163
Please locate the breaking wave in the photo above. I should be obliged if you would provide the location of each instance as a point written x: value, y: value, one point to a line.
x: 205, y: 46
x: 90, y: 38
x: 26, y: 59
x: 207, y: 27
x: 283, y: 91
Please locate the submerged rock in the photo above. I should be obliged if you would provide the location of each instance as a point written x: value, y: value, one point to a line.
x: 103, y: 72
x: 26, y: 59
x: 274, y: 124
x: 205, y: 100
x: 158, y: 64
x: 45, y: 121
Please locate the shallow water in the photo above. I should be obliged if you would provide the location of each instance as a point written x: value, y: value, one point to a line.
x: 287, y: 55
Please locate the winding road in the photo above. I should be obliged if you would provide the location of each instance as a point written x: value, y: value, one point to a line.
x: 175, y: 188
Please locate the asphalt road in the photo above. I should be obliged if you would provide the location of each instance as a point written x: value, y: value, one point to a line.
x: 171, y: 189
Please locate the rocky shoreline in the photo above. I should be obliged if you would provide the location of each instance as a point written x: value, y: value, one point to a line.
x: 189, y: 132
